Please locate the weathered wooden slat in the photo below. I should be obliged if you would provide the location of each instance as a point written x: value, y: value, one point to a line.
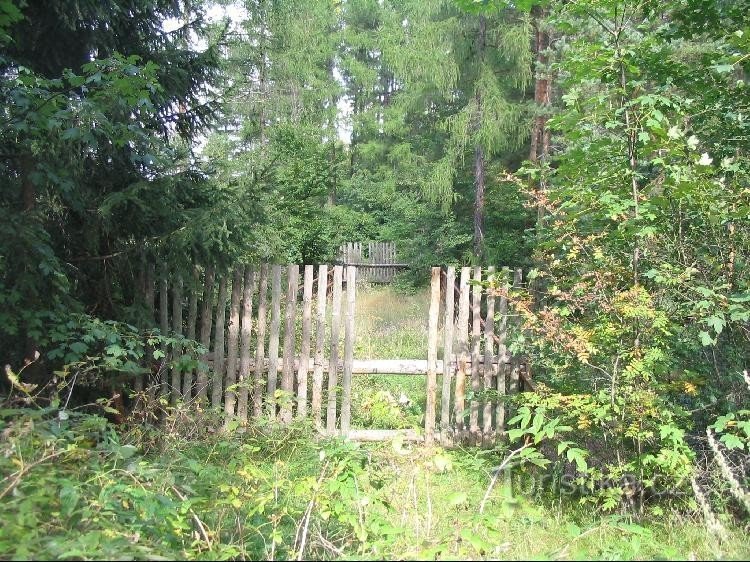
x: 230, y: 379
x: 219, y: 337
x: 273, y: 341
x: 246, y: 330
x: 463, y: 349
x: 476, y: 338
x: 349, y: 337
x: 515, y: 376
x: 489, y: 355
x: 206, y: 320
x: 320, y: 337
x: 175, y: 384
x: 164, y: 327
x: 502, y: 354
x: 142, y: 381
x: 304, y: 362
x: 448, y: 324
x: 287, y: 373
x: 260, y: 342
x: 334, y: 355
x: 432, y: 344
x: 187, y: 376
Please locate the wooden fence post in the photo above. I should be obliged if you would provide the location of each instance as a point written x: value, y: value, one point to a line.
x: 246, y: 332
x: 260, y: 341
x: 287, y: 374
x: 230, y: 394
x: 304, y: 358
x: 164, y: 327
x: 432, y: 341
x: 177, y: 328
x: 463, y: 349
x: 476, y: 335
x: 273, y: 342
x: 334, y: 359
x: 346, y: 398
x: 502, y: 356
x: 320, y: 337
x: 206, y: 319
x: 221, y: 313
x: 187, y: 376
x: 449, y: 322
x: 489, y: 354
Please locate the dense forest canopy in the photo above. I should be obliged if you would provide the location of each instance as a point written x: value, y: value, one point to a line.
x: 600, y: 145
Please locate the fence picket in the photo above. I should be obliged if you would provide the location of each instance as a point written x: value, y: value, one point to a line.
x: 260, y: 341
x: 304, y: 357
x: 334, y: 356
x: 320, y: 337
x: 287, y: 373
x: 246, y: 330
x: 273, y: 341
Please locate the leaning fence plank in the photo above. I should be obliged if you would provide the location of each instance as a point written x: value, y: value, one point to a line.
x: 320, y: 337
x: 349, y: 336
x: 148, y: 299
x: 334, y: 356
x: 488, y: 369
x: 246, y: 330
x: 304, y: 356
x: 432, y: 344
x: 287, y: 373
x: 230, y: 393
x: 221, y: 313
x: 450, y: 287
x: 463, y: 349
x: 273, y: 342
x: 260, y: 341
x: 175, y: 386
x: 164, y: 326
x: 502, y: 353
x: 476, y: 335
x: 206, y: 319
x: 187, y: 377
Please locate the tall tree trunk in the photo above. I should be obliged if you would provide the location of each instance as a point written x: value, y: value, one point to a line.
x: 540, y: 137
x: 479, y: 164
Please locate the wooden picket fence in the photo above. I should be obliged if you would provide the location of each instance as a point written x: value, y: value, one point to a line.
x: 378, y: 265
x: 270, y: 354
x: 480, y: 373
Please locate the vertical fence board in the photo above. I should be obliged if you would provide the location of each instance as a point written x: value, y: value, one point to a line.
x: 218, y: 374
x: 476, y: 335
x: 463, y: 348
x: 287, y: 374
x: 502, y: 354
x: 514, y: 372
x: 489, y: 371
x: 334, y: 355
x: 260, y: 342
x: 246, y: 331
x: 164, y: 327
x: 148, y: 298
x: 320, y: 338
x: 230, y: 394
x: 206, y: 320
x: 432, y: 343
x: 304, y: 356
x: 187, y: 376
x: 175, y: 386
x: 273, y: 341
x: 349, y: 337
x: 450, y: 287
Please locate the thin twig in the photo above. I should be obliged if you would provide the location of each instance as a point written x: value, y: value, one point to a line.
x: 19, y: 474
x: 197, y: 520
x: 498, y: 470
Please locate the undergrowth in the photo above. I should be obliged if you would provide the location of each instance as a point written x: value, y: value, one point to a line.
x: 78, y: 488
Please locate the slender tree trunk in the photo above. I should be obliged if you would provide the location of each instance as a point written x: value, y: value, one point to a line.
x: 479, y: 164
x: 540, y: 137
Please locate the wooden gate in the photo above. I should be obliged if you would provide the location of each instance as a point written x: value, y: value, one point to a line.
x: 270, y: 354
x: 379, y: 265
